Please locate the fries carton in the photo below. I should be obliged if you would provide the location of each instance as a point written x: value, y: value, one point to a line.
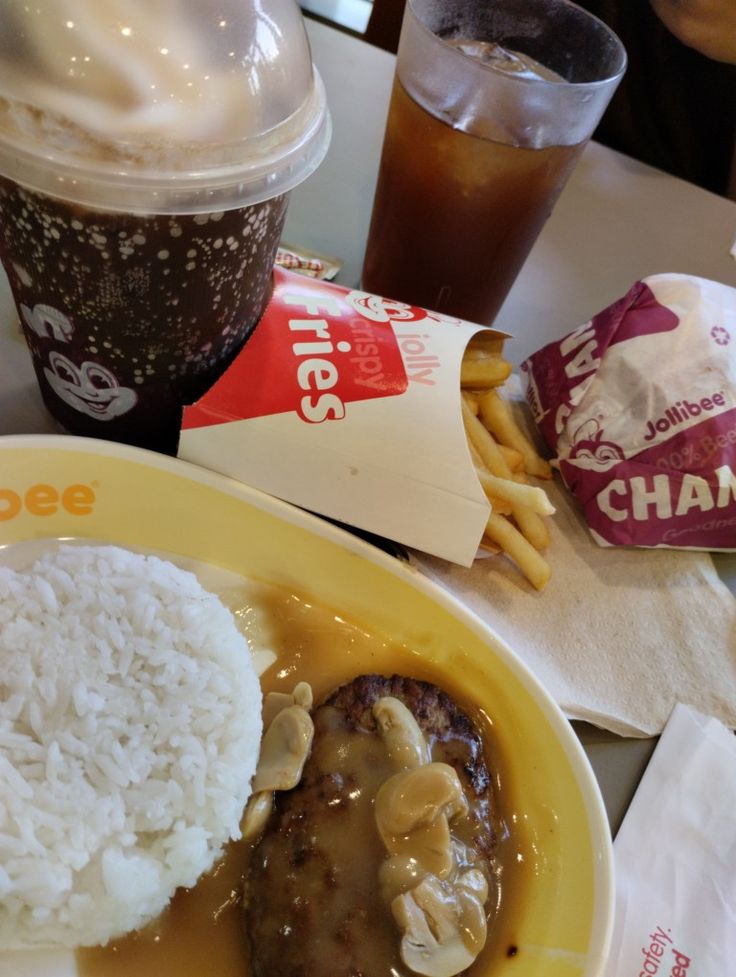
x: 639, y: 405
x: 348, y: 405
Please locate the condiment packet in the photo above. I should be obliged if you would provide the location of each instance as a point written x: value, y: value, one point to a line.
x: 306, y: 262
x: 675, y: 858
x: 639, y: 405
x: 348, y: 404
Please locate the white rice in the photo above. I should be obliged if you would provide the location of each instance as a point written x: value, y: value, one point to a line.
x: 130, y: 723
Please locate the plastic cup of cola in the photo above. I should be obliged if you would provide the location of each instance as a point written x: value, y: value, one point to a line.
x: 491, y: 108
x: 145, y: 169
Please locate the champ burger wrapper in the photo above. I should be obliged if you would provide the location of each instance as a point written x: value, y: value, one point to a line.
x: 348, y: 404
x: 639, y: 405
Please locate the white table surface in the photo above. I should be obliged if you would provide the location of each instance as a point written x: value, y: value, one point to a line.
x: 617, y: 221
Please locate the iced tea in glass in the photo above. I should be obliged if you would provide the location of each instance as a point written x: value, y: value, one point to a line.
x: 490, y: 111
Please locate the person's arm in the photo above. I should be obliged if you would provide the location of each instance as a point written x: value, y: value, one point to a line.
x: 709, y: 26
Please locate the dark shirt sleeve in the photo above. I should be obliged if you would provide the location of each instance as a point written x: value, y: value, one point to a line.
x: 674, y: 109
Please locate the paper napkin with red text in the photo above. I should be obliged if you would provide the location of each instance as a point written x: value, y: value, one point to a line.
x: 675, y: 858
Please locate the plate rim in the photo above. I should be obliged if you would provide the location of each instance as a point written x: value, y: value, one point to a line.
x: 601, y: 934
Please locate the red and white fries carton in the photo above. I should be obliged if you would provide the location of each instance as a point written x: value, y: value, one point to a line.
x: 348, y: 405
x: 639, y: 405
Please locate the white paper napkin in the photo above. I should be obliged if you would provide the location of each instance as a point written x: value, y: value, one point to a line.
x: 619, y: 635
x: 674, y: 855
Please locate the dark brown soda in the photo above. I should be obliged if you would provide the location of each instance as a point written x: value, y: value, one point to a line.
x: 455, y: 215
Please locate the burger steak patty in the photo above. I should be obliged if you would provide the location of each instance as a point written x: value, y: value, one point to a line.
x: 312, y: 904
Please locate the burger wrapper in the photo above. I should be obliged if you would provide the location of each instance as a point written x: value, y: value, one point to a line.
x: 348, y: 405
x: 639, y: 406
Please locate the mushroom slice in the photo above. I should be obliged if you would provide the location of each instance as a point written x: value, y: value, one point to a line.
x: 401, y: 734
x: 436, y: 941
x: 256, y: 814
x: 284, y: 750
x: 285, y: 746
x: 471, y: 891
x: 274, y: 702
x: 412, y: 809
x: 430, y: 845
x: 397, y: 874
x: 415, y: 798
x: 303, y: 695
x: 475, y: 883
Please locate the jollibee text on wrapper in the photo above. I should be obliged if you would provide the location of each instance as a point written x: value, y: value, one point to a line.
x: 639, y: 406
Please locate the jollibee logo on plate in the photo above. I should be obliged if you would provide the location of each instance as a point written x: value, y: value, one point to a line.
x: 46, y: 500
x: 315, y: 351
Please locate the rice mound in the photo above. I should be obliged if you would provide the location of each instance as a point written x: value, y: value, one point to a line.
x: 130, y: 724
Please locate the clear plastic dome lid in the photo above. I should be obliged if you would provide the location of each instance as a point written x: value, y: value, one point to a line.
x: 164, y: 106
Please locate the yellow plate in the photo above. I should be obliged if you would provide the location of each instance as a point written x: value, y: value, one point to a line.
x: 53, y: 487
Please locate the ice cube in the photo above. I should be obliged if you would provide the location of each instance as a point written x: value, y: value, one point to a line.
x: 497, y: 56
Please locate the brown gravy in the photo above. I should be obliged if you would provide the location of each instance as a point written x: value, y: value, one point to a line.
x: 201, y: 932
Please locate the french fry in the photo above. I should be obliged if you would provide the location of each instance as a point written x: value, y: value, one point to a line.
x: 488, y: 546
x: 534, y: 567
x: 472, y: 398
x: 484, y: 371
x: 484, y: 344
x: 503, y: 457
x: 536, y: 533
x: 532, y: 526
x: 477, y: 353
x: 516, y: 492
x: 499, y: 505
x: 496, y: 416
x: 514, y: 458
x: 483, y: 441
x: 476, y: 458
